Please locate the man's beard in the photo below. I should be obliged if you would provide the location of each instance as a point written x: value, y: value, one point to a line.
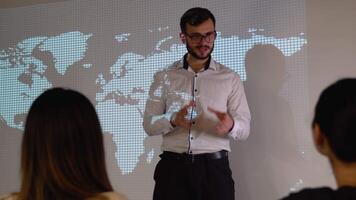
x: 196, y: 56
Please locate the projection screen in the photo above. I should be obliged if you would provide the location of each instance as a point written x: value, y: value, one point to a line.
x: 110, y: 49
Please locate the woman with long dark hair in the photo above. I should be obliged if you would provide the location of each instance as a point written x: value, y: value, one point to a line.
x: 62, y: 153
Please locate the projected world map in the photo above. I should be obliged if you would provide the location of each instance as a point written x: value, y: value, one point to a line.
x: 120, y: 100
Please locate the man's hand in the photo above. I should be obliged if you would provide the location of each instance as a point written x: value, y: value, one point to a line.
x: 180, y: 120
x: 225, y: 122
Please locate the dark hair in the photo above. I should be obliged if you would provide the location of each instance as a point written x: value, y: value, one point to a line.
x: 335, y: 113
x: 62, y: 148
x: 195, y: 16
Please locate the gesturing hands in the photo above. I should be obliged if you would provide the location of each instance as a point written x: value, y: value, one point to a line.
x: 222, y: 128
x: 179, y: 118
x: 225, y: 122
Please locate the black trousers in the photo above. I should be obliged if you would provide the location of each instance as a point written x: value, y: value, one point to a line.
x: 193, y: 179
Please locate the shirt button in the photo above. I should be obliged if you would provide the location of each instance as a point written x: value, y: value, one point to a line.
x: 196, y: 75
x: 193, y: 122
x: 195, y: 90
x: 192, y: 138
x: 190, y: 152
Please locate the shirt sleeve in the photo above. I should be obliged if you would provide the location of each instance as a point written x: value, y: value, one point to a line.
x: 239, y: 111
x: 156, y: 120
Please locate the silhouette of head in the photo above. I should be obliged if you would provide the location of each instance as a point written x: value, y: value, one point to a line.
x: 335, y: 116
x: 62, y: 148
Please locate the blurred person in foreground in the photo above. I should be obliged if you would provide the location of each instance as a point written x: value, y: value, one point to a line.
x: 334, y: 135
x: 62, y: 155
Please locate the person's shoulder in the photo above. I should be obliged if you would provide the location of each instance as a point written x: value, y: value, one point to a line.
x: 173, y: 66
x: 114, y: 196
x: 108, y: 196
x: 324, y: 193
x: 12, y: 196
x: 223, y: 68
x: 168, y: 69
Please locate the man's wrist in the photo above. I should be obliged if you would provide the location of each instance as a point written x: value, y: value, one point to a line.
x: 173, y: 116
x: 232, y: 127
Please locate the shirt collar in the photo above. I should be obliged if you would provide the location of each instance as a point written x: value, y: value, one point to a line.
x: 210, y: 64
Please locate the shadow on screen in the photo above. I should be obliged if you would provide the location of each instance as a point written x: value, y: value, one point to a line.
x: 266, y: 164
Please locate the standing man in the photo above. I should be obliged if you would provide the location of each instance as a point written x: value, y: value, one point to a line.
x: 197, y: 105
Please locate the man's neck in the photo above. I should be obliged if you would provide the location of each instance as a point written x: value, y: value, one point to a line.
x: 345, y: 173
x: 196, y: 64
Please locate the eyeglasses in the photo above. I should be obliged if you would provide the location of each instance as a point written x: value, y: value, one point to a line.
x: 197, y: 37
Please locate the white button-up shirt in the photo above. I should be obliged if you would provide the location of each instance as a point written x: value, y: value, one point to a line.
x: 217, y: 87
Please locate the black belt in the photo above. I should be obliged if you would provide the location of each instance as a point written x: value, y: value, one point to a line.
x: 193, y: 157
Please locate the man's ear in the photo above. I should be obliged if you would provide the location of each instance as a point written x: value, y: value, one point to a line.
x: 320, y: 140
x: 182, y: 37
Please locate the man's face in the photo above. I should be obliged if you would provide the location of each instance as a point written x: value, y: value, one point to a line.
x: 200, y: 39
